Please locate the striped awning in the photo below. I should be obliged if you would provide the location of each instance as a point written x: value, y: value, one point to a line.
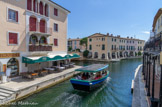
x: 38, y: 59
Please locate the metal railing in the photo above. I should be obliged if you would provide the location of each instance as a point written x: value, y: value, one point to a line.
x: 33, y: 48
x: 154, y: 44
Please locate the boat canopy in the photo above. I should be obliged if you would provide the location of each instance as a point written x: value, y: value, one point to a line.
x: 38, y: 59
x: 93, y: 68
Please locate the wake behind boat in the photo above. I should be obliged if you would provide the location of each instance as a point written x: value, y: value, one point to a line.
x: 90, y: 77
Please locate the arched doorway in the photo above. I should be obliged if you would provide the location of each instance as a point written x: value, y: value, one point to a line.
x: 96, y: 55
x: 131, y: 53
x: 33, y: 40
x: 42, y: 25
x: 121, y: 54
x: 43, y: 40
x: 33, y: 24
x: 90, y: 55
x: 113, y: 55
x: 126, y: 54
x: 13, y: 64
x: 109, y: 55
x: 103, y: 56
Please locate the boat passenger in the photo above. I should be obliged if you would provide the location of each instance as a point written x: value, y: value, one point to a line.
x: 83, y: 76
x: 78, y: 77
x: 98, y: 76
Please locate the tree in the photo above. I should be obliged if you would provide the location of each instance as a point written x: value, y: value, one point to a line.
x: 139, y: 53
x: 84, y: 41
x: 78, y: 50
x: 85, y: 53
x: 70, y: 48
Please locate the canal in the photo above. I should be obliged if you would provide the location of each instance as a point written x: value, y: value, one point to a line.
x: 115, y: 93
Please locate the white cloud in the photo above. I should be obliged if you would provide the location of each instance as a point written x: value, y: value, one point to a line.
x: 146, y: 32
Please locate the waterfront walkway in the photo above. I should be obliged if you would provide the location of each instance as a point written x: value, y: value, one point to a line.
x: 139, y: 93
x: 21, y: 87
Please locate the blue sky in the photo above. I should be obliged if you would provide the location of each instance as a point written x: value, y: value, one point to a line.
x: 131, y: 18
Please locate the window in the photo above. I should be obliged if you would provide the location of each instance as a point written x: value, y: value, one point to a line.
x: 115, y: 40
x: 55, y: 12
x: 12, y: 38
x: 103, y: 47
x: 90, y: 47
x: 75, y: 42
x: 90, y: 39
x: 112, y: 47
x: 55, y: 42
x: 112, y: 39
x: 103, y: 39
x: 12, y: 15
x: 55, y: 27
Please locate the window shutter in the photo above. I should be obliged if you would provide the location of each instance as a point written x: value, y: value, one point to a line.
x: 55, y: 42
x: 13, y: 38
x: 55, y: 12
x: 17, y: 18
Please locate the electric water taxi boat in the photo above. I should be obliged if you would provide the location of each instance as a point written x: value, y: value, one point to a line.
x: 90, y: 77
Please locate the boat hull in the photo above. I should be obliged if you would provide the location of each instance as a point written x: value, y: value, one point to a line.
x: 87, y: 85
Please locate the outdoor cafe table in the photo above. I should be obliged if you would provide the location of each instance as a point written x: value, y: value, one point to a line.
x: 50, y: 69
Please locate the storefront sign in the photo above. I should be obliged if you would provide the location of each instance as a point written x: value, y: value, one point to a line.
x: 9, y: 55
x: 161, y: 58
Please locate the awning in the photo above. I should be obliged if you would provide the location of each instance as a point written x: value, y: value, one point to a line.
x: 32, y: 60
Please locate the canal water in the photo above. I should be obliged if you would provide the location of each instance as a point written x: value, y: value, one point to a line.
x: 116, y: 92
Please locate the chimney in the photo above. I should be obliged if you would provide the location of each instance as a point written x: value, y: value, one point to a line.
x: 127, y: 36
x: 118, y: 36
x: 131, y: 37
x: 111, y: 35
x: 107, y: 34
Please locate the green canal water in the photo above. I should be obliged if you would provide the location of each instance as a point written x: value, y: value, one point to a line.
x: 116, y: 92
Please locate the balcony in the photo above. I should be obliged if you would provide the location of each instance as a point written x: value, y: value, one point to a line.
x: 155, y: 44
x: 39, y: 30
x: 33, y: 48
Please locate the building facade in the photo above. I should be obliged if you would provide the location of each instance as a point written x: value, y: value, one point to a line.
x: 109, y: 47
x: 75, y: 44
x: 30, y: 28
x: 152, y: 58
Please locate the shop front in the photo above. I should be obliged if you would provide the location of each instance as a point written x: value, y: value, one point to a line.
x: 9, y: 64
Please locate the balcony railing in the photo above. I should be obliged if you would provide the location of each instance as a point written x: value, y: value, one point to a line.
x: 33, y: 48
x: 155, y: 44
x: 41, y: 30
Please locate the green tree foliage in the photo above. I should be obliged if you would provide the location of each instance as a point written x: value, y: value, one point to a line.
x: 85, y: 53
x: 139, y: 53
x: 84, y: 41
x: 70, y: 48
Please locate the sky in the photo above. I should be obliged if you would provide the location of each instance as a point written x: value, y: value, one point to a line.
x: 133, y: 18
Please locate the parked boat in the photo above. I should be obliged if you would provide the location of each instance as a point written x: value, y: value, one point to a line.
x: 90, y: 77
